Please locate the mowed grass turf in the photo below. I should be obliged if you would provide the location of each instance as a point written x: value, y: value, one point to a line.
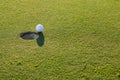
x: 82, y: 40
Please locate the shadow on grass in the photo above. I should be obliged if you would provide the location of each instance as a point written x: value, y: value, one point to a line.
x: 40, y: 40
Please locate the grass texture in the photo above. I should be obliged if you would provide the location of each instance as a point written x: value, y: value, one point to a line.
x: 82, y: 40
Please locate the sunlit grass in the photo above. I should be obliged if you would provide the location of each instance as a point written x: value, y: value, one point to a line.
x: 82, y: 40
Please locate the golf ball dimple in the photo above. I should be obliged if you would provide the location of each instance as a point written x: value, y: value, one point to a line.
x: 39, y: 28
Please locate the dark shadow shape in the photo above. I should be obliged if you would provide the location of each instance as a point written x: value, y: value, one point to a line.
x: 40, y: 39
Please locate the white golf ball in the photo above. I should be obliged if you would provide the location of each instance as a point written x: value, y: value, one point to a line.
x: 39, y: 28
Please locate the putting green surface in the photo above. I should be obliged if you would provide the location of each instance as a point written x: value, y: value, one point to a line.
x: 81, y: 40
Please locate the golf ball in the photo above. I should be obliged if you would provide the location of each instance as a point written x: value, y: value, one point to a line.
x: 39, y: 28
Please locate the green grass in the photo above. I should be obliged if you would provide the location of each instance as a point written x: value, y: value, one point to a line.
x: 82, y: 40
